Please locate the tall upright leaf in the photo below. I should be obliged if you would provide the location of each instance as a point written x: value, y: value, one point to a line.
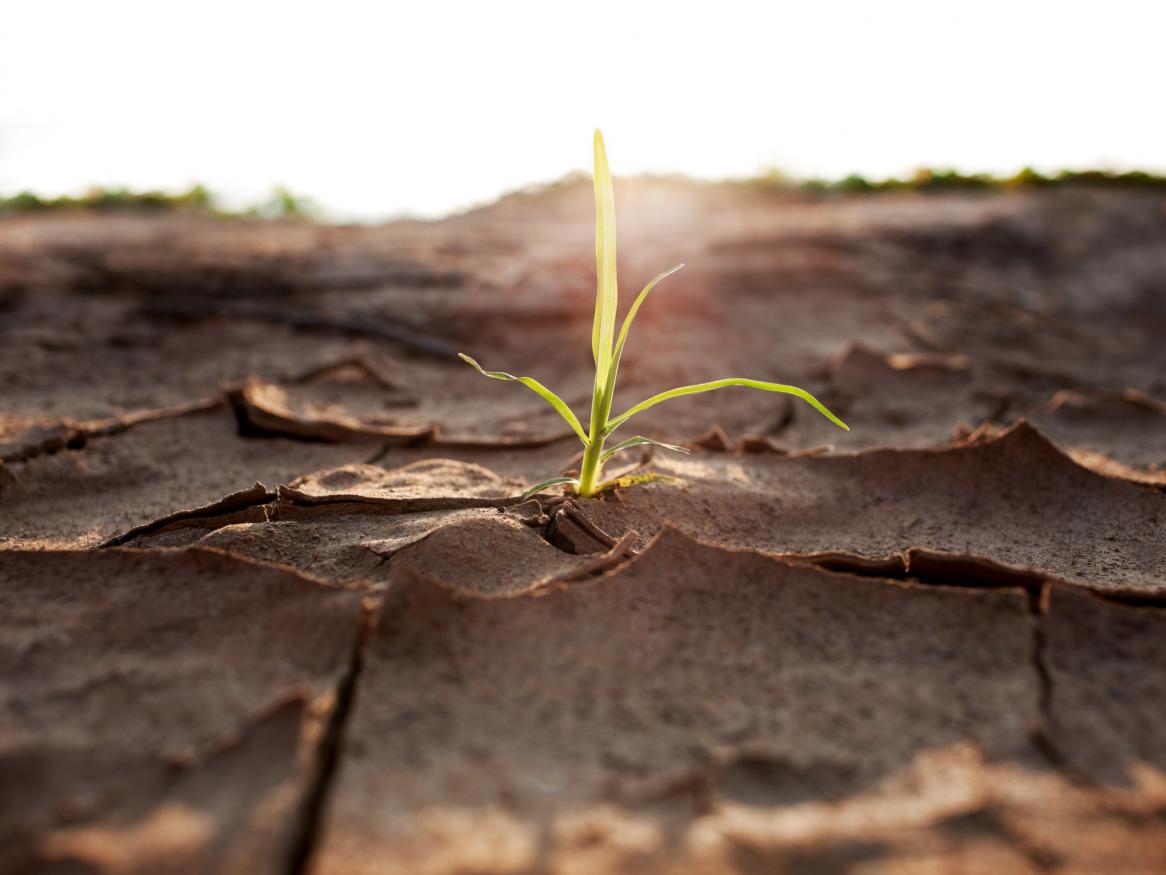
x: 606, y: 292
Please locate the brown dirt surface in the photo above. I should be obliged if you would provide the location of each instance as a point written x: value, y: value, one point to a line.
x: 160, y: 710
x: 270, y: 600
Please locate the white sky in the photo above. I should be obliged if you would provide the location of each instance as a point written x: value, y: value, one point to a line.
x: 375, y: 109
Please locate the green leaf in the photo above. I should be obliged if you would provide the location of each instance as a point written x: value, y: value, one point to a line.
x: 554, y: 481
x: 627, y: 324
x: 640, y: 440
x: 635, y: 308
x: 616, y: 422
x: 606, y: 291
x: 534, y: 385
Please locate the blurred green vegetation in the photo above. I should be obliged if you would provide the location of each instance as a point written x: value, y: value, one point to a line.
x: 933, y: 179
x: 280, y: 204
x: 284, y: 204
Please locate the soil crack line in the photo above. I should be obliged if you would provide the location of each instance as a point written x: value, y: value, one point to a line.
x: 1038, y: 605
x: 381, y: 453
x: 309, y: 819
x: 68, y: 434
x: 257, y: 496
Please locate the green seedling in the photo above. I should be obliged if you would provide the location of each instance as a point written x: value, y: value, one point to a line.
x: 607, y: 349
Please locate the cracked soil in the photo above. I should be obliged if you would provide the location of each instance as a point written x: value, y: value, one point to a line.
x: 270, y: 602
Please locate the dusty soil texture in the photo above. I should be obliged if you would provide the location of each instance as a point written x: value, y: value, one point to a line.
x: 270, y: 602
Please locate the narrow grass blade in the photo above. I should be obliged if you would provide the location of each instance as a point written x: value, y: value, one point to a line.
x: 534, y: 385
x: 554, y: 481
x: 606, y: 292
x: 617, y: 421
x: 640, y: 440
x: 635, y: 308
x: 609, y: 384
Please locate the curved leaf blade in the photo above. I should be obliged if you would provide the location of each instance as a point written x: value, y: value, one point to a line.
x: 640, y: 440
x: 554, y: 481
x: 609, y: 386
x: 635, y: 308
x: 538, y: 388
x: 617, y: 421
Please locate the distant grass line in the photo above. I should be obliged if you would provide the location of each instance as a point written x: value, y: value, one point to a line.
x: 932, y: 179
x: 280, y: 204
x: 283, y: 204
x: 923, y: 180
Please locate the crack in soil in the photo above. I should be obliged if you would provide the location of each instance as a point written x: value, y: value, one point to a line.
x: 926, y: 567
x: 375, y: 325
x: 1134, y: 599
x: 568, y: 528
x: 381, y: 453
x: 328, y: 752
x: 257, y: 496
x: 1038, y: 606
x: 70, y: 435
x: 621, y: 552
x: 930, y: 568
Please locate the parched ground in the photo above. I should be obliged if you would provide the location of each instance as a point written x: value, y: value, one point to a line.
x: 269, y: 601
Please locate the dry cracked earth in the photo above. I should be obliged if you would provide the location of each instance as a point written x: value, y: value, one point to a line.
x: 269, y: 602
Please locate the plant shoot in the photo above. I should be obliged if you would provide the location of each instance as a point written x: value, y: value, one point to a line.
x: 606, y: 349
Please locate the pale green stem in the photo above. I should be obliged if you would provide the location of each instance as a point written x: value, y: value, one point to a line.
x: 592, y: 468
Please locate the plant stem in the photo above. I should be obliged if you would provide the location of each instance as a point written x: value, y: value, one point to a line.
x: 592, y: 467
x: 589, y: 475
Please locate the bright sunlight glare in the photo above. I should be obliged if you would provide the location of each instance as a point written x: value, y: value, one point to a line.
x: 383, y: 109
